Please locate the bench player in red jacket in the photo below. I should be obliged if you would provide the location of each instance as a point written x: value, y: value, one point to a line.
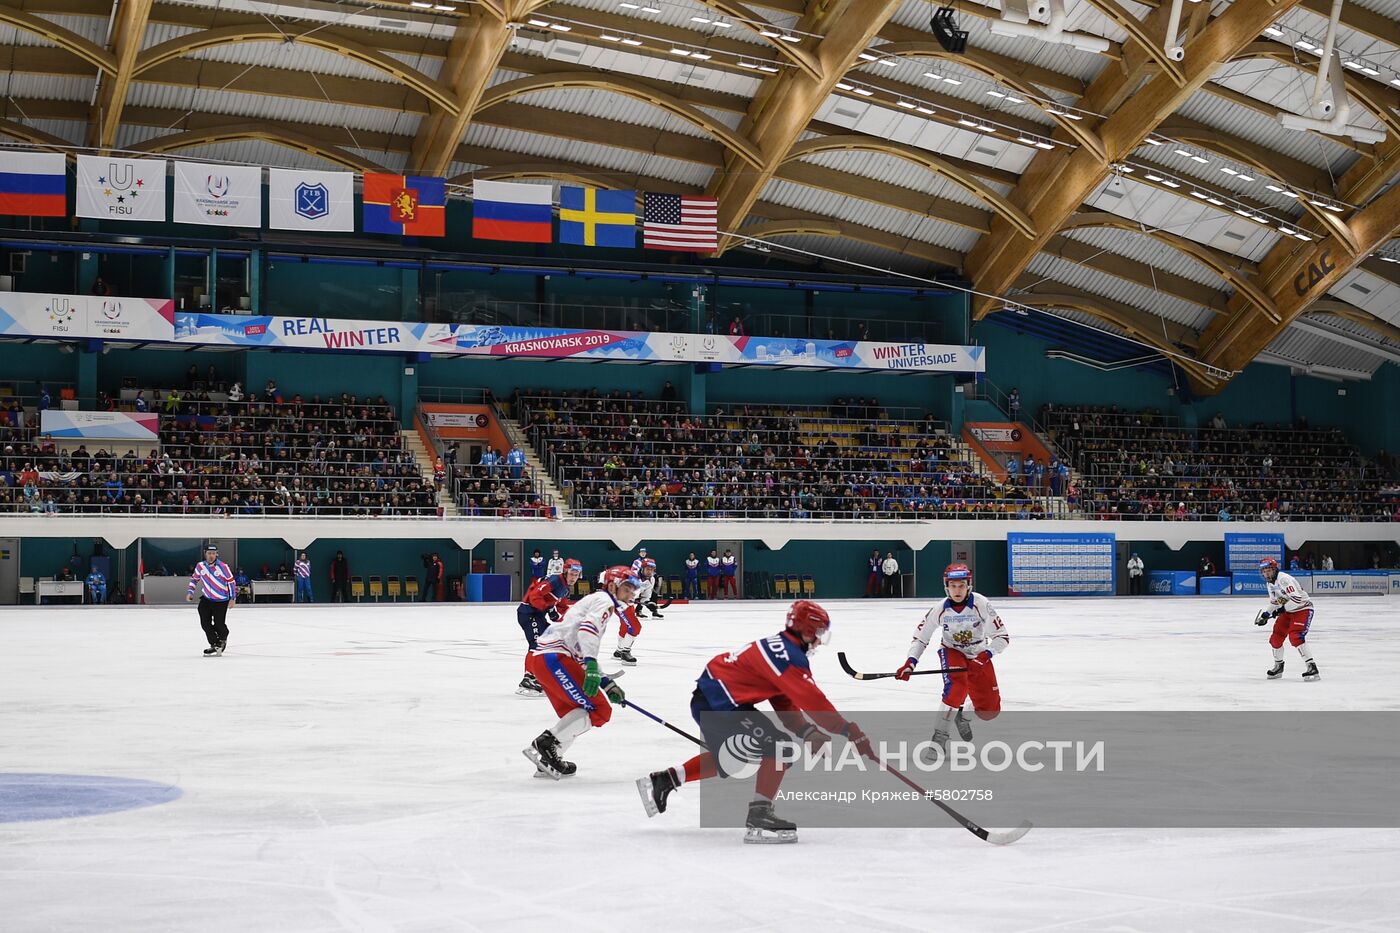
x: 775, y: 670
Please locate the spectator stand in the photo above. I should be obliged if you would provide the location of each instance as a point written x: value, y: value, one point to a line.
x: 1142, y: 465
x: 342, y: 456
x: 620, y: 455
x: 476, y: 481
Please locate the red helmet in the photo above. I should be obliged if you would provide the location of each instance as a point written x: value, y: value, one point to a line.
x: 809, y: 621
x: 620, y: 574
x: 1268, y: 563
x: 648, y: 564
x: 572, y: 564
x: 957, y: 572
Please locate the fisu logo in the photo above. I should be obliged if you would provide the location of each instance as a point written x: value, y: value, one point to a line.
x: 111, y: 310
x: 217, y: 185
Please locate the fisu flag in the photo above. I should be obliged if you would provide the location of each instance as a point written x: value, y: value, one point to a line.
x: 218, y: 195
x: 121, y: 189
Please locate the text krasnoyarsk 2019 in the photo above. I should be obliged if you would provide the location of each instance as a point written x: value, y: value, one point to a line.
x: 994, y: 756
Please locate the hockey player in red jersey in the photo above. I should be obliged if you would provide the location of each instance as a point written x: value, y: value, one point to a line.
x: 1292, y: 612
x: 545, y: 601
x: 969, y: 634
x: 565, y: 662
x: 775, y: 670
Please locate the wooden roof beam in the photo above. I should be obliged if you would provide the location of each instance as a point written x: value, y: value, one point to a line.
x: 478, y: 43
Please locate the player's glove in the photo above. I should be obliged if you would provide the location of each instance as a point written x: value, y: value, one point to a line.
x: 592, y: 677
x: 553, y: 614
x: 1264, y: 616
x: 979, y: 662
x: 615, y: 693
x: 908, y: 668
x: 814, y: 737
x: 858, y: 738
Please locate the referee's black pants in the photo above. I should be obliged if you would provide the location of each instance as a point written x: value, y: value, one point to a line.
x: 211, y: 619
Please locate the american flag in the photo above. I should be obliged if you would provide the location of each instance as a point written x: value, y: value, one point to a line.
x: 680, y: 221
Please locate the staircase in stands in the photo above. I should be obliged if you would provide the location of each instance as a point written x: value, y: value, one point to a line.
x: 413, y: 442
x: 516, y: 435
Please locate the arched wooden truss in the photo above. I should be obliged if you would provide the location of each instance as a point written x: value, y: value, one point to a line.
x: 381, y: 61
x: 91, y: 52
x: 772, y: 229
x: 1201, y: 253
x: 278, y: 135
x: 31, y: 135
x: 971, y: 59
x: 637, y: 90
x: 989, y: 196
x: 749, y: 19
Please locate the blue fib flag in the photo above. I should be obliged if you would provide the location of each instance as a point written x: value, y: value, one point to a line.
x: 589, y: 217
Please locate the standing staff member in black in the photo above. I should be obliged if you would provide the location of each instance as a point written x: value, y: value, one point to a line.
x: 217, y: 593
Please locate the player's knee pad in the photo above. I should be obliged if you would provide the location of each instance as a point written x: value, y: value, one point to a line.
x: 990, y: 713
x: 1295, y: 639
x: 1276, y: 641
x: 600, y: 713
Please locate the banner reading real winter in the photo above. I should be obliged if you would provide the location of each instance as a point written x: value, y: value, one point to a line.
x: 559, y: 343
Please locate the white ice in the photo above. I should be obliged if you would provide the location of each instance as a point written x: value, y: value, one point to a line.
x: 359, y: 768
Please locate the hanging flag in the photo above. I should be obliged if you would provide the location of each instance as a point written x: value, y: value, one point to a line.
x: 318, y: 201
x: 503, y: 210
x: 34, y: 184
x: 680, y: 221
x: 218, y: 195
x: 121, y: 189
x: 589, y: 217
x: 409, y: 205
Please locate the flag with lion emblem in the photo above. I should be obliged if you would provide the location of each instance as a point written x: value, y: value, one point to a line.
x: 407, y: 205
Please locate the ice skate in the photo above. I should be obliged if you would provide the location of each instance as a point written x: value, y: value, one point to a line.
x: 529, y: 687
x: 544, y: 752
x: 543, y: 775
x: 1275, y: 672
x: 211, y: 651
x: 625, y: 656
x: 964, y: 726
x: 655, y: 613
x: 219, y: 648
x: 654, y: 789
x: 764, y: 828
x: 1311, y: 673
x: 930, y: 756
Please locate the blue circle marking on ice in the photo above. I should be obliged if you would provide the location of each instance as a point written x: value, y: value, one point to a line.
x: 28, y: 797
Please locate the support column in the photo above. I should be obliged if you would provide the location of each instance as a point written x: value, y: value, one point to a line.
x: 211, y: 280
x: 168, y: 273
x: 408, y: 388
x: 88, y: 354
x: 255, y: 276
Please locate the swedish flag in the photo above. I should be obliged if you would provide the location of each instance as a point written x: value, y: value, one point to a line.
x: 589, y: 217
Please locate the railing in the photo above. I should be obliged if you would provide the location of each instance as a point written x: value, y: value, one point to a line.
x: 989, y: 391
x: 674, y: 317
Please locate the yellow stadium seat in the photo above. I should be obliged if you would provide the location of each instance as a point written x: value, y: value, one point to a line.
x: 395, y: 588
x: 376, y: 588
x: 357, y: 588
x: 410, y: 588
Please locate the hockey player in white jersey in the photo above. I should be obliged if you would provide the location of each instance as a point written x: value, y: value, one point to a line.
x: 1292, y: 612
x: 629, y: 622
x: 969, y: 634
x: 565, y: 663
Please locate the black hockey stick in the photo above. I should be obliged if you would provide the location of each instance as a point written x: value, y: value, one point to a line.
x: 846, y: 666
x: 655, y: 718
x: 997, y: 837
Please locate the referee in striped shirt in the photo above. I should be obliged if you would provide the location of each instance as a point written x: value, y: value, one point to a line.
x: 217, y: 593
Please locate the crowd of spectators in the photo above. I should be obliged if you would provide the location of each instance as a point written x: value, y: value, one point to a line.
x: 1144, y: 465
x: 275, y: 454
x: 623, y: 455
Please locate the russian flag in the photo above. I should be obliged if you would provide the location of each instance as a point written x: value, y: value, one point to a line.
x: 503, y: 210
x: 34, y: 184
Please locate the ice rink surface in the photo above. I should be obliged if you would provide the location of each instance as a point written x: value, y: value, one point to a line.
x: 359, y: 768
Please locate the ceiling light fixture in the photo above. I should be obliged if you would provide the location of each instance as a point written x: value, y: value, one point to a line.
x: 905, y: 104
x: 629, y: 41
x: 864, y: 92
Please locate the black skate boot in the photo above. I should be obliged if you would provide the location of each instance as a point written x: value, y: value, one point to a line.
x: 625, y: 656
x: 964, y: 726
x: 544, y: 752
x: 219, y: 648
x: 211, y: 651
x: 1311, y: 673
x: 529, y: 687
x: 655, y: 612
x: 766, y: 829
x: 1275, y: 672
x: 655, y: 788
